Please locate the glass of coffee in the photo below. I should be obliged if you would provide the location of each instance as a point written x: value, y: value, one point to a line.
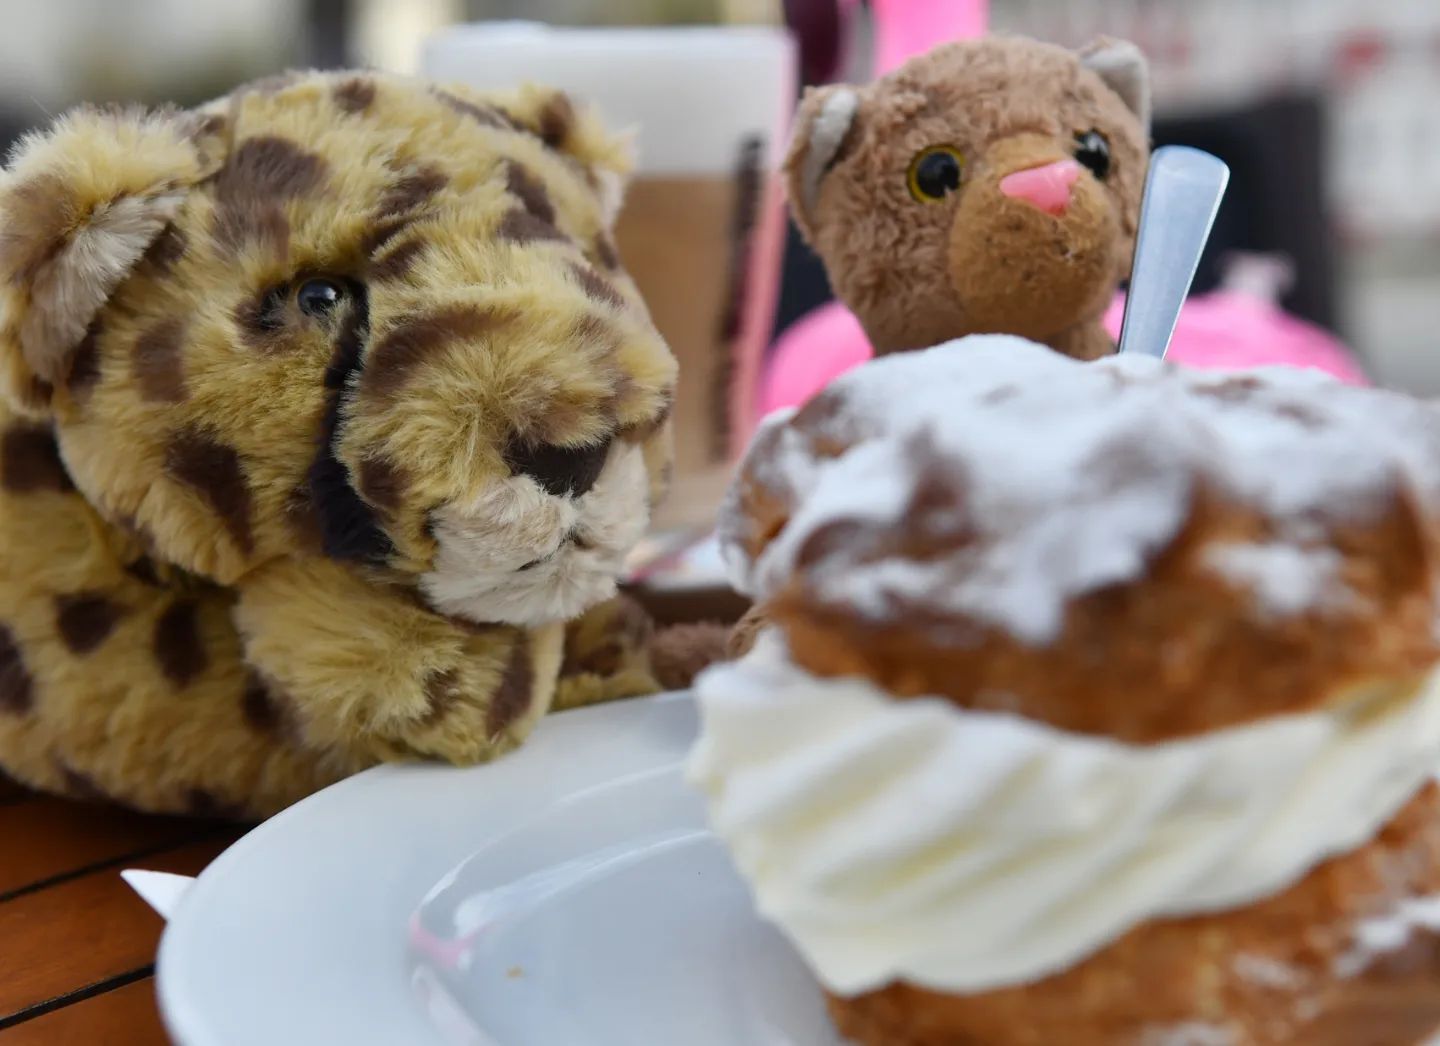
x: 702, y: 227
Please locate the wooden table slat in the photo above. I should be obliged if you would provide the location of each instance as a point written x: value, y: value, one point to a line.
x: 126, y: 1016
x: 43, y: 837
x: 83, y: 931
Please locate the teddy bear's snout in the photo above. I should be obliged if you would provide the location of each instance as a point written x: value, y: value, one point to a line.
x: 1035, y: 243
x: 1047, y: 186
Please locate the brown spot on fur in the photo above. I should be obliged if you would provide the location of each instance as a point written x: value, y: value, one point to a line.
x: 596, y: 333
x: 143, y: 571
x: 84, y: 372
x: 303, y: 520
x: 396, y: 264
x: 260, y: 224
x: 606, y: 253
x: 156, y: 361
x: 261, y: 174
x: 37, y: 393
x: 177, y: 643
x: 485, y: 115
x: 17, y: 690
x: 165, y: 250
x: 442, y: 693
x: 383, y: 232
x: 406, y: 345
x: 30, y: 461
x: 628, y: 628
x: 513, y: 691
x: 37, y: 217
x: 78, y: 785
x: 85, y: 620
x: 355, y: 95
x: 596, y: 287
x: 259, y: 317
x: 520, y: 226
x: 383, y: 482
x: 207, y: 127
x: 199, y: 802
x: 412, y: 191
x: 556, y: 120
x: 213, y: 470
x: 267, y: 710
x: 520, y: 183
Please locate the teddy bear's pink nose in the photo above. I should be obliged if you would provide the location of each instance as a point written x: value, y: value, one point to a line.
x: 1046, y: 187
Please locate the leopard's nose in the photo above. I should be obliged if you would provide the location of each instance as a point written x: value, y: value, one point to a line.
x: 562, y: 471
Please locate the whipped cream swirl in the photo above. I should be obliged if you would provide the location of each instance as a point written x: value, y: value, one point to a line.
x: 965, y: 851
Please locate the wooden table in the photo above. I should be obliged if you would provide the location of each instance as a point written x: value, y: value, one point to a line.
x: 77, y: 946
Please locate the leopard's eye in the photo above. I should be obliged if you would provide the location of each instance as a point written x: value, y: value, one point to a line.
x: 934, y: 173
x: 319, y: 297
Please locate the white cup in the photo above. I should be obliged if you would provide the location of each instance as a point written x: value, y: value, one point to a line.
x: 702, y: 227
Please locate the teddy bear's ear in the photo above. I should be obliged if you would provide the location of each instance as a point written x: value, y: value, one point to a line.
x: 1124, y: 70
x: 79, y: 205
x: 824, y: 123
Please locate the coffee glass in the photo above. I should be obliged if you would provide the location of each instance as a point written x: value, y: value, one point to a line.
x: 702, y: 226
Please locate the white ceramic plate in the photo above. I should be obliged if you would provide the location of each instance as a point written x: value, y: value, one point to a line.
x: 567, y: 893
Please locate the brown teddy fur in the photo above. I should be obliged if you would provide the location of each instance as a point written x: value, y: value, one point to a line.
x: 921, y: 267
x: 325, y: 408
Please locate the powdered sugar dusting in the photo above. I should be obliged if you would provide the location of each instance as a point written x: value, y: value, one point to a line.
x: 1265, y: 972
x: 1045, y: 478
x: 1188, y: 1033
x: 1285, y: 578
x: 1388, y: 933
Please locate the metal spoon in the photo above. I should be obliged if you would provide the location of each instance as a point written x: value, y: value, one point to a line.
x: 1182, y: 195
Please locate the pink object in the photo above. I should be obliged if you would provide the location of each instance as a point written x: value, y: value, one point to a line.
x: 905, y: 28
x: 1231, y: 330
x: 1223, y: 330
x: 818, y: 347
x: 1046, y: 187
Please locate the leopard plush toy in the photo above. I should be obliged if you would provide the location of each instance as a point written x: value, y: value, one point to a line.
x: 328, y: 406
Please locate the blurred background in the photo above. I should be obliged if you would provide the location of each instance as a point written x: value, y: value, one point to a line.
x: 1326, y: 111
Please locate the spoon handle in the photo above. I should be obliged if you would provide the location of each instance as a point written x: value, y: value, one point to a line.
x: 1182, y: 195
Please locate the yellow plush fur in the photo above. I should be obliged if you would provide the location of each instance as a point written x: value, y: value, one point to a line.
x: 328, y: 405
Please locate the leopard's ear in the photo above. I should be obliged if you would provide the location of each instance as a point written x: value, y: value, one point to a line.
x: 80, y: 203
x: 574, y: 131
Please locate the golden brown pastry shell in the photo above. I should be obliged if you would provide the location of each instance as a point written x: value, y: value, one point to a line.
x: 1177, y: 652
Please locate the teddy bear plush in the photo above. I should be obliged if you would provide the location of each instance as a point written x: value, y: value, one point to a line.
x: 329, y: 417
x: 989, y: 185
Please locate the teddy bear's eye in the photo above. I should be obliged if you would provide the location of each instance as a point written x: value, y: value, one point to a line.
x: 1093, y: 151
x: 934, y: 172
x: 318, y: 297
